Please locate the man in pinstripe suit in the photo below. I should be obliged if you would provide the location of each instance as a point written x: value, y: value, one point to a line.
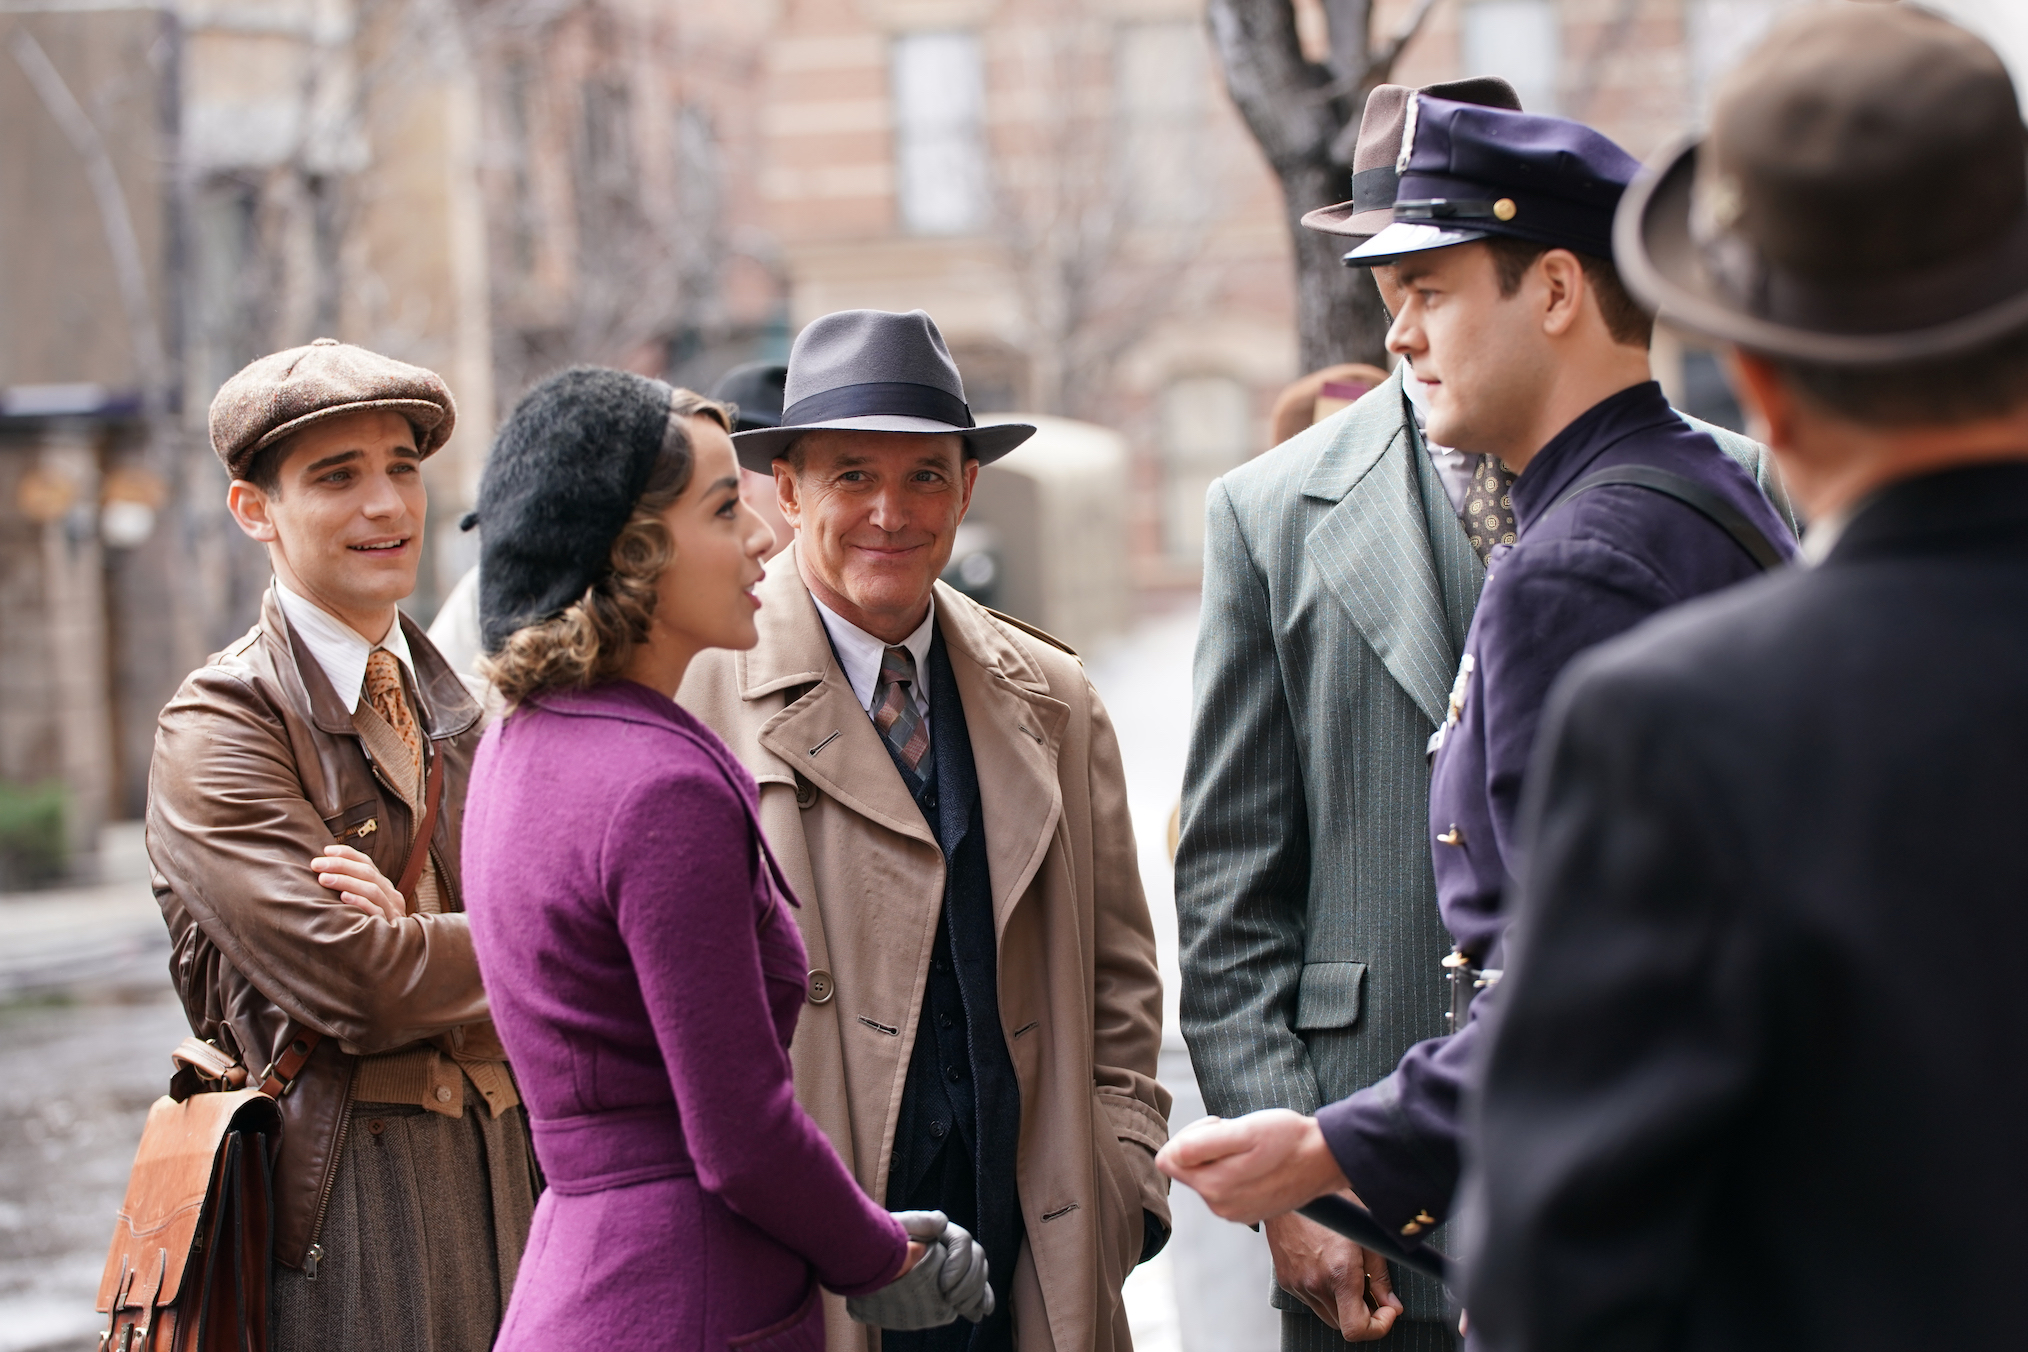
x: 1339, y: 582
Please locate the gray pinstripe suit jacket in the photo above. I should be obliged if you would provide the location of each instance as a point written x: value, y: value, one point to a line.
x: 1338, y: 586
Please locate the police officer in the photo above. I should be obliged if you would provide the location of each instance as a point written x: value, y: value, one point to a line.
x: 1530, y: 349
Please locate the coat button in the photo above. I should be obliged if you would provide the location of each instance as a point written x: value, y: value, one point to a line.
x: 443, y: 1094
x: 955, y: 1074
x: 821, y: 986
x: 937, y: 1129
x: 806, y: 792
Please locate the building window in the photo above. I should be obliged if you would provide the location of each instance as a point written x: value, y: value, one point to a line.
x: 1206, y: 426
x: 940, y: 133
x: 1160, y: 87
x: 1519, y: 40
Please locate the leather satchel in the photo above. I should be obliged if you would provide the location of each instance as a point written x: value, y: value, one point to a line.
x: 188, y: 1267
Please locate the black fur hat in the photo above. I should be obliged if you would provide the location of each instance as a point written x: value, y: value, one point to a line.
x: 564, y: 475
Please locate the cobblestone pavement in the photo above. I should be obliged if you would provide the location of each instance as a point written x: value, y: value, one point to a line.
x: 87, y: 1019
x: 76, y: 1079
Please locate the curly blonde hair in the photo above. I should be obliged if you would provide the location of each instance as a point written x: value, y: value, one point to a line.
x: 591, y: 639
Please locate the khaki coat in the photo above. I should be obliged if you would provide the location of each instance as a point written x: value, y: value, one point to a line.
x: 1080, y: 996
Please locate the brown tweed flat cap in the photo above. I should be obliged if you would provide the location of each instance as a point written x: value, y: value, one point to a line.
x: 285, y: 392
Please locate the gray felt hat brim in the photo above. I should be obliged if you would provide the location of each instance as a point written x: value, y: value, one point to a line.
x: 1665, y: 270
x: 758, y: 449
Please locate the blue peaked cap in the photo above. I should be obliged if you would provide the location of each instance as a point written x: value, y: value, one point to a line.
x: 1468, y: 172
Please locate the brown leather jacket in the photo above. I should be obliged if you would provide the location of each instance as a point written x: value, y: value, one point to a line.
x: 257, y: 769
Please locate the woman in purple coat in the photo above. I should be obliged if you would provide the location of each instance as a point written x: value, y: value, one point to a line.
x: 629, y: 919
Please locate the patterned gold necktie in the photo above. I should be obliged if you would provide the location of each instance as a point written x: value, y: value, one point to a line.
x: 384, y: 692
x: 894, y: 711
x: 1489, y: 507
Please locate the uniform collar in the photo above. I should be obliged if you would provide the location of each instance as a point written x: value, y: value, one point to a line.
x: 1571, y: 452
x: 860, y: 652
x: 337, y: 646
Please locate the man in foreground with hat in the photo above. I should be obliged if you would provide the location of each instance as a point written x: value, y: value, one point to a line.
x: 1531, y: 349
x: 1753, y: 1084
x: 944, y: 790
x: 1342, y: 571
x: 305, y: 767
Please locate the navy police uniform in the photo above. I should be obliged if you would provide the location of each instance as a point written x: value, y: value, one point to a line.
x: 1586, y: 566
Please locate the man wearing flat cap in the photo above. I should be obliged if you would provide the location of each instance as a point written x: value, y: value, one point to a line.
x: 1342, y: 571
x: 944, y: 789
x: 1755, y: 1083
x: 1531, y: 349
x: 303, y: 819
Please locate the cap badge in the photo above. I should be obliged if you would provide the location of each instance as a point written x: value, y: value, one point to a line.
x: 1504, y: 209
x: 1408, y: 134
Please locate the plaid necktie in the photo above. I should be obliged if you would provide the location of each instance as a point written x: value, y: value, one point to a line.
x: 894, y: 711
x: 1489, y: 508
x: 384, y: 693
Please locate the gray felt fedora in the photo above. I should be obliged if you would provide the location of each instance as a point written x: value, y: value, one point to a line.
x: 1861, y: 199
x: 875, y: 371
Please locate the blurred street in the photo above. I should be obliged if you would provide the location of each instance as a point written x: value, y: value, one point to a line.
x: 87, y: 1020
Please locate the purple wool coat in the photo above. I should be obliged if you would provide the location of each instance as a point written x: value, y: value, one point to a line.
x: 646, y: 978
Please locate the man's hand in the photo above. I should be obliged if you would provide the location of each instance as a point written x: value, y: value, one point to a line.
x: 1346, y: 1286
x: 1253, y: 1167
x: 354, y: 878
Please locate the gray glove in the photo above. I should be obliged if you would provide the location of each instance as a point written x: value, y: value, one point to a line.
x: 947, y: 1284
x: 963, y: 1278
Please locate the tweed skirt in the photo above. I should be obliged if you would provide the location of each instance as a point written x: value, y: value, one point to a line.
x: 424, y: 1231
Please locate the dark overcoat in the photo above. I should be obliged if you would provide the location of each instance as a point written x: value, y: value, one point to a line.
x: 1756, y: 1078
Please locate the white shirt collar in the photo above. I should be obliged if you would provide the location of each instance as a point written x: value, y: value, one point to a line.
x: 337, y: 646
x: 859, y: 653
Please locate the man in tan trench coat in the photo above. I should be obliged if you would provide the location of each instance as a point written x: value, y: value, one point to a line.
x: 944, y: 790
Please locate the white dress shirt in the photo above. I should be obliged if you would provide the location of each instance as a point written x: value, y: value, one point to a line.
x: 860, y: 652
x: 1454, y: 468
x: 337, y: 646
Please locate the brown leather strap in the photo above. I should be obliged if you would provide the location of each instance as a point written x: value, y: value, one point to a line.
x: 275, y: 1080
x: 419, y: 852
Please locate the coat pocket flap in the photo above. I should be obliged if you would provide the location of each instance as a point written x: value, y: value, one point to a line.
x: 1133, y: 1120
x: 1329, y: 996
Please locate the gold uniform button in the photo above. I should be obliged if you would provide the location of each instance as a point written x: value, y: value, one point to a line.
x: 1505, y: 210
x: 821, y: 986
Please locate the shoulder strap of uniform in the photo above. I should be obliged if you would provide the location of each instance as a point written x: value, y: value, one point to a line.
x: 1029, y: 629
x: 1691, y: 494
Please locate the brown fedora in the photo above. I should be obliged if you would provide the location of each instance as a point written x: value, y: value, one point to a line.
x: 1861, y: 199
x: 1375, y: 175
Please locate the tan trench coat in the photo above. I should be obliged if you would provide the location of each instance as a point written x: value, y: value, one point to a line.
x: 1080, y: 997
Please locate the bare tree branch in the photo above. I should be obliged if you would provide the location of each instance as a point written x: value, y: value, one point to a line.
x: 1305, y: 117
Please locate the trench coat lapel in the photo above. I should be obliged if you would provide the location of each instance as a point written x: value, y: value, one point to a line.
x: 825, y: 733
x: 1372, y: 547
x: 1017, y: 734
